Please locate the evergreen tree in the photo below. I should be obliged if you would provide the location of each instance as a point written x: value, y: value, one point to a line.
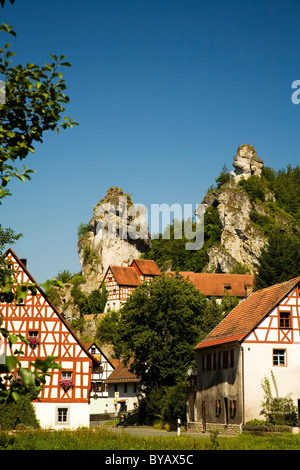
x: 279, y: 260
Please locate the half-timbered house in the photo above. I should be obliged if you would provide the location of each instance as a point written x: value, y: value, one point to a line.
x: 260, y: 335
x: 146, y: 269
x: 101, y: 371
x: 119, y: 281
x: 123, y: 390
x: 64, y: 400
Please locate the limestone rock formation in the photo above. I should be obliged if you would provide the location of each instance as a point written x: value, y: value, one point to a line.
x: 118, y: 233
x: 241, y: 240
x: 246, y: 162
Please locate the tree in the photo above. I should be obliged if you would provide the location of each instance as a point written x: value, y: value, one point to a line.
x: 159, y: 326
x: 34, y: 102
x: 279, y: 260
x: 223, y: 178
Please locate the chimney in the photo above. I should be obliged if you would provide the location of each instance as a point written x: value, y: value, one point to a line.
x: 24, y: 261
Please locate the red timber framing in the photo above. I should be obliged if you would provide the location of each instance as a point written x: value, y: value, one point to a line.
x: 282, y: 325
x: 120, y: 283
x: 38, y: 318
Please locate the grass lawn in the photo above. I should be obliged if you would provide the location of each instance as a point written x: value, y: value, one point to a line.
x: 104, y: 439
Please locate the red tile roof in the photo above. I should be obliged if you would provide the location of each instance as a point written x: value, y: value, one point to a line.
x: 248, y: 314
x: 122, y: 374
x: 147, y: 267
x: 125, y: 276
x: 212, y: 284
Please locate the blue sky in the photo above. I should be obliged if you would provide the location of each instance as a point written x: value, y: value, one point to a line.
x: 164, y: 92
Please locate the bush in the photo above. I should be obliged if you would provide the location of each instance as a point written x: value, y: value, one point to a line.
x: 20, y: 412
x: 277, y: 411
x: 175, y: 405
x: 254, y: 187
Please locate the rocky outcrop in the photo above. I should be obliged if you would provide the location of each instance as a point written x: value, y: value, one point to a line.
x: 241, y: 241
x: 246, y: 162
x: 117, y: 233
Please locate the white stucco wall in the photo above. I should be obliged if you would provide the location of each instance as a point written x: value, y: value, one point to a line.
x: 79, y: 415
x: 258, y: 362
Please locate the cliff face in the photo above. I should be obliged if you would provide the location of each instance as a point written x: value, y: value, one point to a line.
x: 241, y: 241
x: 118, y: 233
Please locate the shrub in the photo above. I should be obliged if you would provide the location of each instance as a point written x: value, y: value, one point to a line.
x: 254, y: 187
x: 277, y: 410
x: 175, y: 405
x: 20, y: 412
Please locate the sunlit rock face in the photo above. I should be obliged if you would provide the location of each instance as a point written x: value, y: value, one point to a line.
x: 118, y: 233
x: 247, y: 163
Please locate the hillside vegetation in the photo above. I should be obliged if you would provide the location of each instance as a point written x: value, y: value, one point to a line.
x: 275, y: 199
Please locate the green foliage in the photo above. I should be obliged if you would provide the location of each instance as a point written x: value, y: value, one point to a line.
x: 107, y: 327
x: 254, y: 187
x: 159, y: 326
x: 64, y: 276
x: 20, y: 412
x: 34, y: 102
x: 170, y: 253
x: 285, y: 184
x: 82, y: 229
x: 174, y: 405
x: 89, y: 255
x: 224, y: 177
x: 277, y: 410
x: 279, y: 260
x: 102, y: 438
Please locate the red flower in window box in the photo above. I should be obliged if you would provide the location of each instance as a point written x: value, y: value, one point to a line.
x: 66, y: 384
x: 33, y: 342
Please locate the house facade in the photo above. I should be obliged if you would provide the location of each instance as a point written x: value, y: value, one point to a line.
x: 260, y: 335
x: 120, y: 281
x: 36, y: 318
x: 123, y: 390
x: 100, y: 372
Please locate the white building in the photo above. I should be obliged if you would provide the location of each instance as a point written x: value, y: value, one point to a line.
x: 123, y: 390
x: 64, y: 400
x: 101, y: 371
x: 260, y: 335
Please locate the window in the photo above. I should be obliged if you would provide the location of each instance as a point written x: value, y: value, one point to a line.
x: 232, y: 408
x: 279, y: 357
x: 125, y: 388
x: 285, y: 320
x: 62, y: 415
x: 218, y: 408
x: 33, y: 334
x: 66, y: 374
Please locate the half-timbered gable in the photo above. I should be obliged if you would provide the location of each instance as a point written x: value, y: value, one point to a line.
x: 260, y: 335
x: 146, y: 269
x: 39, y: 321
x: 101, y: 371
x: 123, y: 389
x: 120, y: 281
